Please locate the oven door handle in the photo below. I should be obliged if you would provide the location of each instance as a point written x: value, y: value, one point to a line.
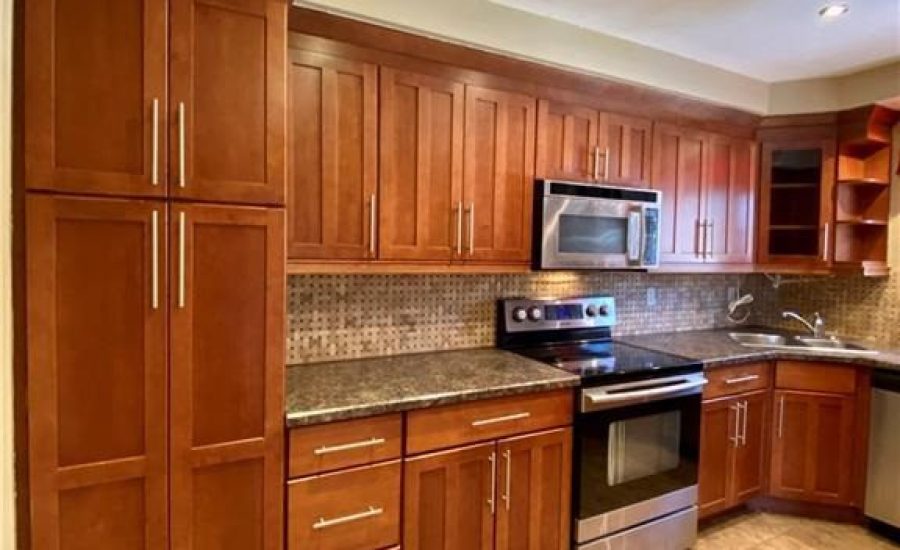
x: 599, y: 396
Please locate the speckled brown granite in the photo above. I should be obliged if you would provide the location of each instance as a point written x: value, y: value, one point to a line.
x: 715, y: 348
x: 326, y: 392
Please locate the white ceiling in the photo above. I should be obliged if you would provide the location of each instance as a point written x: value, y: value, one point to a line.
x: 770, y: 40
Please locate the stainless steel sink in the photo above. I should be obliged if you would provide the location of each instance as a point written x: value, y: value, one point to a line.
x: 809, y: 343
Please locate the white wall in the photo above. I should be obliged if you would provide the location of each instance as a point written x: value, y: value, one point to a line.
x: 833, y: 94
x: 7, y: 487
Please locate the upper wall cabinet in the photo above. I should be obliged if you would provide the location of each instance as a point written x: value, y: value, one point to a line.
x: 333, y: 146
x: 421, y: 207
x: 98, y: 118
x: 499, y: 174
x: 577, y: 142
x: 95, y: 96
x: 730, y: 197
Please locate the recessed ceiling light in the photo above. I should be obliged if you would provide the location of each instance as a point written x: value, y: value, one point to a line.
x: 833, y: 10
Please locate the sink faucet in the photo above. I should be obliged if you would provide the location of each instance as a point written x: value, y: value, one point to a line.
x: 817, y: 327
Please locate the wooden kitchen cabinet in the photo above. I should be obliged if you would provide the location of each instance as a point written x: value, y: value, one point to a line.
x: 420, y: 189
x: 627, y: 142
x: 334, y: 157
x: 498, y: 180
x: 534, y: 490
x: 567, y: 137
x: 449, y: 499
x: 227, y: 123
x: 730, y: 200
x: 97, y: 372
x: 227, y: 363
x: 95, y: 96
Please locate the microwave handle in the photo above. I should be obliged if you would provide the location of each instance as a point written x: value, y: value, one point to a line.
x: 635, y: 237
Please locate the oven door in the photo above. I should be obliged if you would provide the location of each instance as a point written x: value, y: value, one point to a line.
x: 581, y: 232
x: 636, y: 449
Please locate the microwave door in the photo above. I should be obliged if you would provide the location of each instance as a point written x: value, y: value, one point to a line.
x: 581, y: 233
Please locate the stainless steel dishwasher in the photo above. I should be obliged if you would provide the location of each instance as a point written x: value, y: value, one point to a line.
x: 883, y: 484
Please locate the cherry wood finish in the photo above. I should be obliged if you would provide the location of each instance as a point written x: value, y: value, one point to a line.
x: 679, y: 156
x: 813, y: 447
x: 447, y: 499
x: 534, y: 490
x: 567, y: 142
x: 750, y: 459
x: 730, y: 200
x: 227, y: 370
x: 336, y: 444
x: 92, y: 73
x: 420, y: 214
x: 628, y: 141
x: 227, y: 69
x: 724, y: 381
x: 499, y: 172
x: 441, y: 427
x: 333, y: 151
x: 816, y: 377
x: 342, y: 495
x: 97, y: 373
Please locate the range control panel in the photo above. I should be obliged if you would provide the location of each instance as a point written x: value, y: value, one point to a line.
x: 523, y: 315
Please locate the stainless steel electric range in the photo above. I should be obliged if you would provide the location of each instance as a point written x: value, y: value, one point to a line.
x: 637, y: 423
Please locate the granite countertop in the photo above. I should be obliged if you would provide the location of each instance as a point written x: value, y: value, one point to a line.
x: 715, y: 348
x: 325, y: 392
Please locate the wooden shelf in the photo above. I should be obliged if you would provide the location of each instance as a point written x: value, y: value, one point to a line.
x: 861, y: 221
x: 865, y: 181
x: 793, y: 227
x: 797, y: 185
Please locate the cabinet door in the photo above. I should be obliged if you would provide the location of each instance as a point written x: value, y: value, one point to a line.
x: 627, y: 144
x: 534, y: 490
x: 96, y: 333
x: 499, y: 174
x: 227, y: 368
x: 718, y: 441
x: 227, y: 103
x: 812, y: 447
x: 420, y: 210
x: 678, y: 167
x: 333, y: 142
x: 95, y: 96
x: 749, y: 459
x: 449, y: 499
x: 567, y: 142
x: 730, y: 197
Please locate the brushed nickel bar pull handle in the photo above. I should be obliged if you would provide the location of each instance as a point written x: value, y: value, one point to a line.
x: 780, y: 416
x: 373, y: 215
x: 735, y: 440
x: 182, y: 155
x: 742, y: 379
x: 697, y: 236
x: 499, y: 419
x: 606, y: 164
x: 371, y: 512
x: 328, y: 449
x: 710, y: 225
x: 181, y: 259
x: 154, y: 157
x: 459, y: 228
x: 596, y: 163
x: 493, y: 460
x: 825, y: 254
x: 507, y: 456
x: 745, y: 405
x: 154, y: 259
x: 472, y: 229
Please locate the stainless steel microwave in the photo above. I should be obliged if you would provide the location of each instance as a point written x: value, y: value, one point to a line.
x: 589, y: 226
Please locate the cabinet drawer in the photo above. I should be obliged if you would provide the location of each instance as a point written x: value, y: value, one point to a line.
x: 737, y: 379
x: 316, y: 449
x: 452, y: 425
x: 818, y: 377
x: 358, y: 508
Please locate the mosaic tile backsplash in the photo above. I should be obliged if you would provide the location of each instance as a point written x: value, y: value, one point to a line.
x: 334, y: 317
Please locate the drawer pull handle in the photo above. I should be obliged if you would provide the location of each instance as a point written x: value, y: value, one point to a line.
x: 497, y: 420
x: 742, y: 379
x: 349, y: 446
x: 371, y: 512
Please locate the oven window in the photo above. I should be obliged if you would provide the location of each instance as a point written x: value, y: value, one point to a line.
x: 592, y: 234
x: 643, y: 447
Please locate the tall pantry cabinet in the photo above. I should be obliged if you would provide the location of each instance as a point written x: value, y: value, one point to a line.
x: 154, y: 170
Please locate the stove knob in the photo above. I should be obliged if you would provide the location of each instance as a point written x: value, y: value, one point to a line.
x: 534, y: 313
x: 603, y: 311
x: 519, y: 314
x: 590, y: 311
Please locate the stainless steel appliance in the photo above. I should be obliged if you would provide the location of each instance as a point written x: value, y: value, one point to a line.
x: 582, y: 226
x: 637, y: 423
x: 883, y: 484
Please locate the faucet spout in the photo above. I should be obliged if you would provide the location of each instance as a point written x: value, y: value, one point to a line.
x: 817, y: 328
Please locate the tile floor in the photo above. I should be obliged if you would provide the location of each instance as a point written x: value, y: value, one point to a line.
x: 765, y: 531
